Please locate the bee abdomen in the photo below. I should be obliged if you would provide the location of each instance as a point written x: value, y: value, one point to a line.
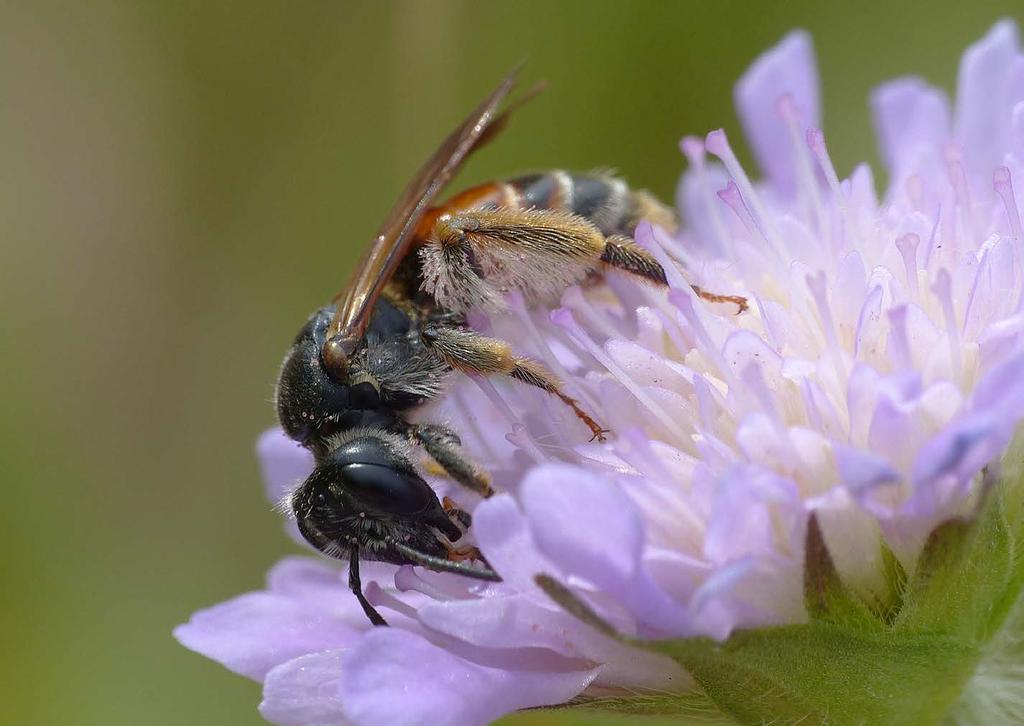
x: 601, y: 198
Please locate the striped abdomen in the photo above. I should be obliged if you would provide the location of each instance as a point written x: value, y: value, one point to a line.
x: 604, y: 200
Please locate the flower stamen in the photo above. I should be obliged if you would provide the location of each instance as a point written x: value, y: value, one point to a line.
x: 717, y: 143
x: 943, y: 290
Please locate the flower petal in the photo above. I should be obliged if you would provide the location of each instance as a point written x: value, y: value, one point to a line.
x: 574, y: 516
x: 761, y: 506
x: 504, y: 537
x: 283, y: 463
x: 305, y: 691
x: 787, y: 69
x: 252, y: 633
x: 395, y: 678
x: 912, y: 122
x: 982, y: 119
x: 520, y: 622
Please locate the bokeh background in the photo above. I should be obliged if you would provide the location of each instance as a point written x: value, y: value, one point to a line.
x: 182, y: 182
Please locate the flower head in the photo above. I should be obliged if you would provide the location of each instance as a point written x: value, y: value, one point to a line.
x: 876, y: 374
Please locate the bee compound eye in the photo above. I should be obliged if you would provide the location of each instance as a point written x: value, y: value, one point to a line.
x: 387, y: 490
x: 334, y: 357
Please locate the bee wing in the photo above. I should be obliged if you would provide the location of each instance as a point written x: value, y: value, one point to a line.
x: 392, y: 242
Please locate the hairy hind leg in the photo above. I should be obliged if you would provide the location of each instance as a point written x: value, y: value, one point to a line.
x: 474, y: 353
x: 473, y: 256
x: 624, y: 253
x: 559, y: 244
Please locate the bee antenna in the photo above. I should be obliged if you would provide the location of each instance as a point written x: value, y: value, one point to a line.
x: 441, y: 565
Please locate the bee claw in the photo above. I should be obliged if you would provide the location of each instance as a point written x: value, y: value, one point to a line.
x: 599, y: 436
x: 738, y: 300
x: 453, y: 512
x: 461, y: 554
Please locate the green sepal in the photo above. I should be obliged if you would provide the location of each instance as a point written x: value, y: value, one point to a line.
x: 682, y: 709
x: 825, y: 673
x: 894, y: 577
x: 966, y: 578
x: 826, y: 598
x: 592, y: 716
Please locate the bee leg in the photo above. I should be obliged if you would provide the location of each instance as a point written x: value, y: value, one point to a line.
x: 573, y: 245
x: 471, y: 352
x: 467, y: 552
x: 625, y: 254
x: 473, y: 256
x: 738, y: 300
x: 356, y: 586
x: 445, y: 448
x: 453, y: 511
x: 440, y: 564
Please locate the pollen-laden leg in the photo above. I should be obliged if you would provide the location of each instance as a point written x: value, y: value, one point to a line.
x: 474, y: 256
x: 471, y: 352
x: 625, y: 254
x: 445, y: 448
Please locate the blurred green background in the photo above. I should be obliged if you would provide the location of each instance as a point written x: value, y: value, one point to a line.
x: 182, y: 182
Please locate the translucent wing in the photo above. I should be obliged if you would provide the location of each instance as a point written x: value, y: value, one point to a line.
x: 395, y: 236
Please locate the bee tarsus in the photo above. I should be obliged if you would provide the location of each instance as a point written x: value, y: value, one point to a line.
x: 356, y: 586
x: 447, y: 564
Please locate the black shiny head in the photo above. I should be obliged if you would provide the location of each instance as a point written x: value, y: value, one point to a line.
x: 312, y: 405
x: 317, y: 397
x: 365, y: 493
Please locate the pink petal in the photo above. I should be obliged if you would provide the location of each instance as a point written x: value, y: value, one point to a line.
x: 305, y: 691
x: 254, y: 632
x: 502, y: 622
x: 756, y: 513
x: 574, y: 514
x: 912, y: 122
x: 520, y: 622
x: 982, y: 118
x: 395, y: 678
x: 283, y: 463
x: 787, y: 69
x: 503, y: 535
x: 701, y: 208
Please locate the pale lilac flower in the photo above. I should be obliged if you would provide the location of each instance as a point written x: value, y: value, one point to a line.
x: 879, y: 368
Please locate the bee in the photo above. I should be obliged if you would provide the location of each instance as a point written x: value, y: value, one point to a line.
x: 390, y: 339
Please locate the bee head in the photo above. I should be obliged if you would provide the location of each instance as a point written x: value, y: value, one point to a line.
x: 363, y: 492
x: 313, y: 398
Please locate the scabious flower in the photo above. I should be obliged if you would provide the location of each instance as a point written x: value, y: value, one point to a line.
x: 819, y: 448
